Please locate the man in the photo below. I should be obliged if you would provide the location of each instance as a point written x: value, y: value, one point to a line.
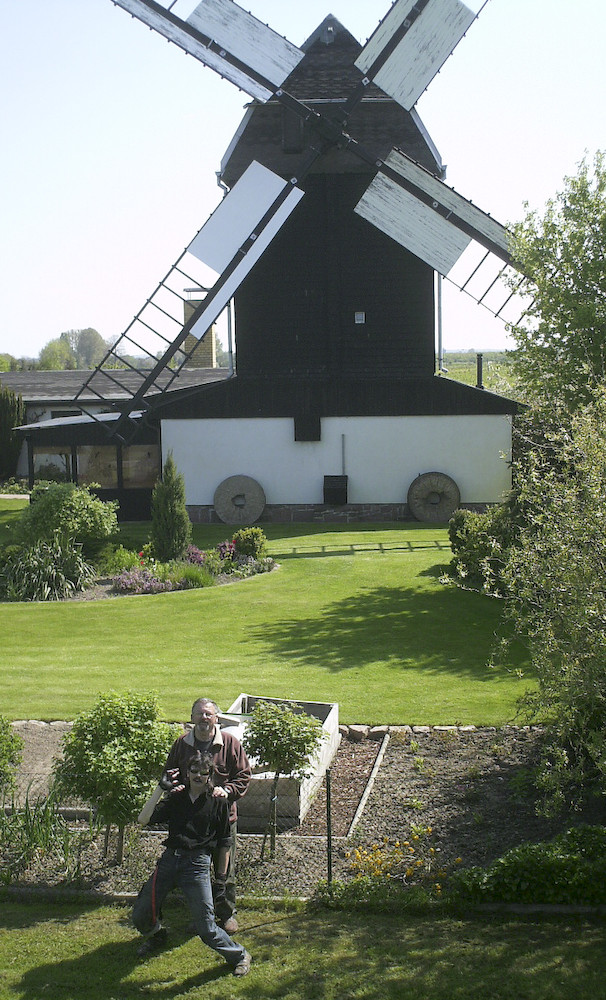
x: 232, y: 775
x: 198, y: 826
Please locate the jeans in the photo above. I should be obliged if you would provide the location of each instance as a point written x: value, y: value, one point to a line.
x: 226, y: 907
x: 188, y: 871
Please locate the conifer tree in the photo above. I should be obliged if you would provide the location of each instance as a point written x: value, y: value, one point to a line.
x: 170, y: 524
x: 12, y: 414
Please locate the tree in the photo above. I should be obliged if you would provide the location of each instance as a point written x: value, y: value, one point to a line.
x: 170, y: 524
x: 560, y: 350
x: 112, y: 754
x: 87, y: 347
x: 56, y: 356
x: 12, y: 414
x: 284, y: 739
x: 556, y: 602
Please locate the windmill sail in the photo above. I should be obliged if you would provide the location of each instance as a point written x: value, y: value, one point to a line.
x: 231, y: 241
x: 227, y: 39
x: 411, y: 44
x: 449, y: 233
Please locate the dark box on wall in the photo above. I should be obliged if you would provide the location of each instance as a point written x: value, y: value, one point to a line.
x: 335, y: 490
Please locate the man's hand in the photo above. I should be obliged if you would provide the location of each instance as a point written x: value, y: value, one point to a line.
x: 220, y: 793
x: 171, y: 781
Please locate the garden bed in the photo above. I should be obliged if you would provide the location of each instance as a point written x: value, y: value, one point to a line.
x: 472, y: 788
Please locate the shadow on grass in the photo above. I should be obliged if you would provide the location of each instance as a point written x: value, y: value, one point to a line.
x: 318, y: 954
x: 375, y: 958
x: 105, y: 970
x: 447, y: 630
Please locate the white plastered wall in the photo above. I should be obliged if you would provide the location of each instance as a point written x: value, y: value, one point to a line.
x: 380, y: 455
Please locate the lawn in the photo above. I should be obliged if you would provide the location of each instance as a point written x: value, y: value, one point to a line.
x: 353, y: 615
x: 69, y: 951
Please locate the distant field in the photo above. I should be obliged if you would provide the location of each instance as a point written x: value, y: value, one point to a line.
x: 496, y: 373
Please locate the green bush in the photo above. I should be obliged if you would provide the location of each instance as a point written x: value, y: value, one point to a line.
x: 570, y: 869
x: 11, y: 749
x: 250, y: 542
x: 371, y: 895
x: 73, y: 512
x: 112, y: 559
x: 185, y: 576
x: 170, y: 524
x: 46, y: 571
x: 111, y: 755
x: 480, y: 544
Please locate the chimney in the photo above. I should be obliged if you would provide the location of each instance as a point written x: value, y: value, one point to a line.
x: 204, y: 350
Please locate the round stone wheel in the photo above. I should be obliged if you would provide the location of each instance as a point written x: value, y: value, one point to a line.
x: 239, y: 500
x: 433, y: 496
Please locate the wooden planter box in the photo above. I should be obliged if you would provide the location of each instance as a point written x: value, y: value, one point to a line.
x: 294, y: 795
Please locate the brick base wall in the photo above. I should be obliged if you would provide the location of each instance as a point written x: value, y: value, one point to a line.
x: 351, y: 513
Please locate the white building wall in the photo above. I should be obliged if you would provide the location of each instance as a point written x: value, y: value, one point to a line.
x: 380, y: 455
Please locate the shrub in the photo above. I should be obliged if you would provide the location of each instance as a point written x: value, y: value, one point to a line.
x: 250, y: 542
x: 195, y: 555
x: 46, y: 571
x: 365, y: 895
x: 226, y: 551
x: 111, y: 755
x: 140, y: 580
x: 186, y: 576
x: 11, y: 749
x: 480, y: 545
x: 170, y: 524
x: 570, y: 869
x: 111, y: 560
x: 14, y: 486
x: 71, y: 511
x: 12, y: 414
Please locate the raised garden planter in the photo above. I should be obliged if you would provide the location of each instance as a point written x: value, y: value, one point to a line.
x: 294, y: 795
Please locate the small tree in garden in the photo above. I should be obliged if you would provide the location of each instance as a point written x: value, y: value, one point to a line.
x: 112, y: 754
x: 11, y: 747
x: 285, y: 740
x: 170, y: 524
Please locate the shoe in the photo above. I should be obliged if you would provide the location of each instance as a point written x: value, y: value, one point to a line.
x: 230, y: 926
x: 243, y: 966
x: 153, y: 943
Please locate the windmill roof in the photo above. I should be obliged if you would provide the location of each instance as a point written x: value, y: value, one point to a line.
x: 327, y: 75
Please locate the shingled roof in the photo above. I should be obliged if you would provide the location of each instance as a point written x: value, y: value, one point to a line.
x: 62, y: 386
x: 326, y: 76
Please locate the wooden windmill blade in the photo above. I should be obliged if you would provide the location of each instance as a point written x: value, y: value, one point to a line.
x: 230, y: 243
x: 412, y: 43
x: 448, y: 232
x: 225, y: 38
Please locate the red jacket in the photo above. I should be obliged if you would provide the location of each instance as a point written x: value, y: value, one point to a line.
x: 232, y: 768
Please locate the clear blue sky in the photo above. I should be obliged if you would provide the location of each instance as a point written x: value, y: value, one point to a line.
x: 111, y: 138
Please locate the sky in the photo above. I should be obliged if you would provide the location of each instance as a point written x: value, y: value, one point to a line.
x: 111, y: 139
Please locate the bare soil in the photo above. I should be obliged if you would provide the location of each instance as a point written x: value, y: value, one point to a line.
x: 473, y: 788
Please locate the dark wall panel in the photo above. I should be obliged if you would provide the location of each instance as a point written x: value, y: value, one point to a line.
x: 296, y: 311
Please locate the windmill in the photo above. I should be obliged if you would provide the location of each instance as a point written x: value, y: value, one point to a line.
x: 405, y: 200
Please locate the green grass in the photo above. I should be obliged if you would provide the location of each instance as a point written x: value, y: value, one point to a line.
x: 67, y: 952
x: 354, y: 615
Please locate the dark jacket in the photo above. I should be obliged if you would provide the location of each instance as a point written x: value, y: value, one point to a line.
x: 199, y: 825
x: 232, y: 767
